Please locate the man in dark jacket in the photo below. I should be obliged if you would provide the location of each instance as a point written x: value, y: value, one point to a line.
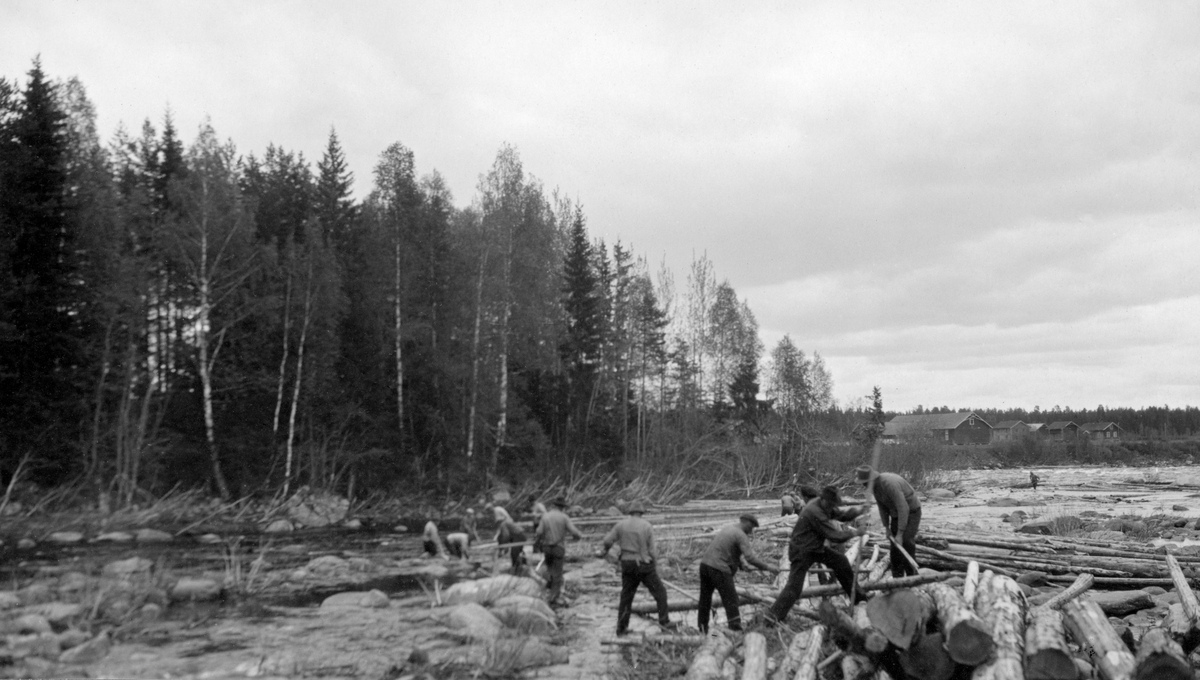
x: 719, y: 565
x: 900, y: 512
x: 807, y: 547
x: 551, y: 537
x: 633, y: 535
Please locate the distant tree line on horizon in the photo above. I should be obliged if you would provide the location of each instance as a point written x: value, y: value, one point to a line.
x: 182, y: 313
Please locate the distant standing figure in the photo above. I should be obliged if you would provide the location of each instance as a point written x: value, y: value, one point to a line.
x: 900, y: 512
x: 457, y: 544
x: 551, y: 535
x: 719, y: 566
x: 433, y: 543
x: 468, y: 525
x: 507, y: 531
x: 788, y: 504
x: 539, y: 511
x: 1033, y: 479
x: 638, y: 556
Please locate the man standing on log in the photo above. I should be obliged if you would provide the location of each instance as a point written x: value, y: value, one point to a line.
x: 551, y: 537
x: 720, y: 564
x: 807, y: 547
x: 633, y: 535
x: 900, y: 512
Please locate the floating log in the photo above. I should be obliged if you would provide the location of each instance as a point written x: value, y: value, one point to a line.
x: 1161, y: 658
x: 927, y: 659
x: 754, y: 656
x: 1089, y: 626
x: 655, y: 640
x: 807, y: 668
x: 856, y: 631
x: 1077, y: 588
x: 1047, y: 656
x: 707, y: 663
x: 900, y: 615
x: 1115, y: 583
x: 1001, y: 604
x: 1188, y: 637
x: 1136, y: 553
x: 1097, y: 566
x: 1003, y: 544
x: 971, y: 583
x: 968, y: 639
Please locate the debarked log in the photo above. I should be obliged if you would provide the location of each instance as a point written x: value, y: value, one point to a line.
x: 795, y: 654
x: 1081, y: 584
x: 968, y: 639
x: 807, y: 668
x: 1160, y: 658
x: 1047, y: 656
x: 1001, y: 605
x: 1090, y: 627
x: 707, y: 663
x: 754, y: 656
x: 1188, y: 636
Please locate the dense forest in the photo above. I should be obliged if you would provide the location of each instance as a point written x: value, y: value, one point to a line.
x: 177, y: 312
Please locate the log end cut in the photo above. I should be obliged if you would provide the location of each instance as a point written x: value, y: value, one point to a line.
x: 1051, y: 664
x: 970, y: 643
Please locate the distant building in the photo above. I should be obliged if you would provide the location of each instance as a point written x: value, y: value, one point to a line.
x: 1009, y: 429
x: 1062, y: 430
x: 964, y: 427
x: 1101, y: 430
x: 1036, y: 428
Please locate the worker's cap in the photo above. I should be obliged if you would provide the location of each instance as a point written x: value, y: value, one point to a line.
x: 750, y: 519
x: 560, y: 502
x: 831, y: 495
x: 863, y: 473
x: 635, y: 507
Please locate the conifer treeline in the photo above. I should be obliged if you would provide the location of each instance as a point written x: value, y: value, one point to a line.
x: 180, y: 312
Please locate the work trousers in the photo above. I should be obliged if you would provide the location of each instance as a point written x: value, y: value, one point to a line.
x: 799, y: 574
x: 555, y: 555
x: 714, y: 579
x: 900, y: 566
x: 633, y: 574
x: 517, y: 553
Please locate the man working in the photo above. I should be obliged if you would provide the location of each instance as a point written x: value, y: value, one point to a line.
x: 815, y: 526
x: 720, y: 564
x: 509, y: 533
x: 551, y: 537
x: 633, y: 535
x: 1033, y: 480
x: 788, y: 502
x: 432, y: 542
x: 900, y: 512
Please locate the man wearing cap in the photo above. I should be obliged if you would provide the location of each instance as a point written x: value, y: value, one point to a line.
x: 719, y: 565
x: 551, y: 536
x: 807, y: 546
x: 638, y: 554
x: 900, y: 512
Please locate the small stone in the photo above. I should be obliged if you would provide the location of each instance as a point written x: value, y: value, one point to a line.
x: 353, y: 524
x: 114, y: 537
x: 1085, y: 668
x: 1179, y: 508
x: 65, y: 537
x: 128, y: 568
x: 73, y: 582
x: 26, y: 544
x: 57, y: 613
x: 298, y: 574
x: 151, y: 612
x: 279, y: 526
x: 208, y: 538
x: 35, y: 593
x: 72, y: 638
x: 374, y: 599
x: 43, y: 644
x: 941, y: 494
x: 400, y: 529
x: 190, y: 588
x: 89, y: 652
x: 32, y: 623
x: 13, y: 508
x: 327, y: 564
x: 153, y: 536
x: 1042, y: 527
x: 9, y: 600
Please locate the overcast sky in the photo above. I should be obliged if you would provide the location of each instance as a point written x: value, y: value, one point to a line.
x: 966, y: 204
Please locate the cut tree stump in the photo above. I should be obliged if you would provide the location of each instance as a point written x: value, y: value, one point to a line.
x: 900, y: 615
x: 1047, y: 656
x: 1186, y: 628
x: 1161, y: 658
x: 968, y: 639
x: 1001, y: 604
x: 754, y: 656
x: 1090, y: 627
x: 927, y: 659
x: 709, y: 659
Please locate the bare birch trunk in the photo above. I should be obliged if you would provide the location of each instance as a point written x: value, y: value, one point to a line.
x: 202, y: 342
x: 291, y: 438
x: 399, y: 345
x: 287, y: 331
x: 475, y: 364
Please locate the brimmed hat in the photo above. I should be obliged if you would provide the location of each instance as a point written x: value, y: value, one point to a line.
x: 635, y: 507
x: 750, y: 519
x: 560, y: 502
x: 863, y: 473
x: 831, y: 495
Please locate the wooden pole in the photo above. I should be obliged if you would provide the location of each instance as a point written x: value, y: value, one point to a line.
x: 754, y: 656
x: 707, y: 663
x: 1089, y: 626
x: 971, y: 583
x: 968, y: 640
x: 1001, y: 604
x: 1047, y: 656
x: 1161, y: 658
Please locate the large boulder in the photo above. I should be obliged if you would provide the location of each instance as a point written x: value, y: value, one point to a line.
x: 374, y: 599
x: 1004, y: 502
x: 311, y: 508
x: 474, y: 622
x: 530, y: 615
x: 488, y: 590
x: 327, y: 565
x: 1042, y: 527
